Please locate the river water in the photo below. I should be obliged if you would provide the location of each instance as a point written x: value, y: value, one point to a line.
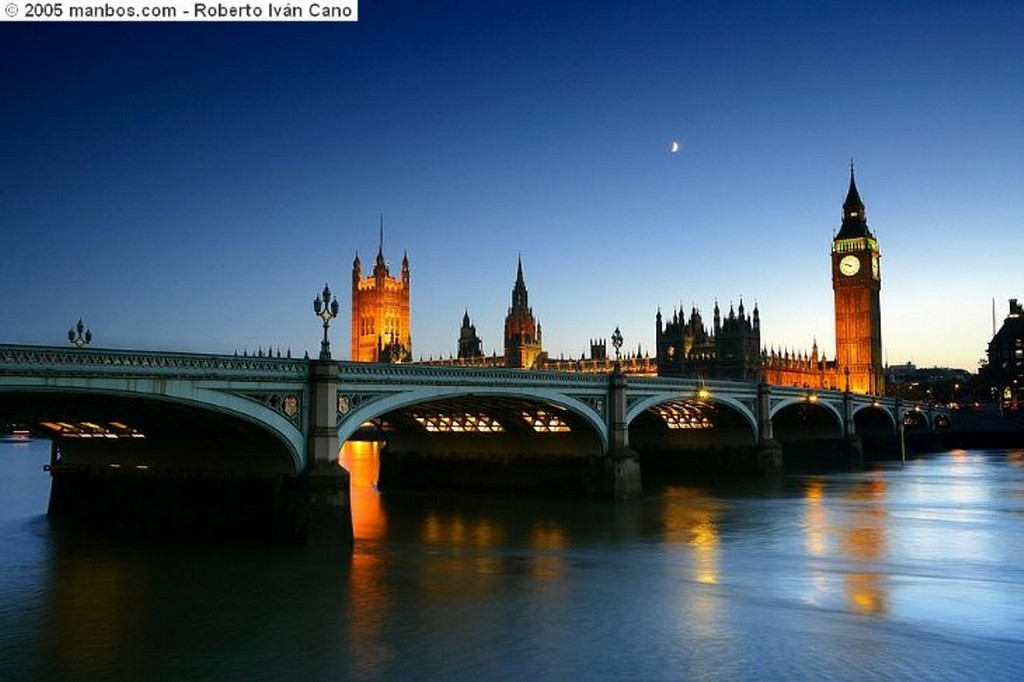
x: 891, y: 573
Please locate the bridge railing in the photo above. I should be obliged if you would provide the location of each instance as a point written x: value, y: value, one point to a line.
x: 434, y: 374
x: 34, y: 360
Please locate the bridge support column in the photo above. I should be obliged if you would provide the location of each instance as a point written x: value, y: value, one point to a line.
x: 618, y: 473
x: 769, y: 450
x: 852, y: 447
x: 324, y: 514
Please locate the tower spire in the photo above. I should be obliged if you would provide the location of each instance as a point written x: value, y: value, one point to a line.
x: 855, y: 222
x: 380, y: 267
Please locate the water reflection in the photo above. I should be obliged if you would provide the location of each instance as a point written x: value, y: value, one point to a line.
x: 690, y: 517
x: 362, y: 460
x: 848, y: 525
x: 864, y: 541
x: 846, y: 576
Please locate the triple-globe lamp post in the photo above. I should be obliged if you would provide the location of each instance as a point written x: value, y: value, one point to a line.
x: 326, y: 309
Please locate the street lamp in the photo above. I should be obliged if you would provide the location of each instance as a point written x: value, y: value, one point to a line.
x: 326, y: 309
x: 617, y: 343
x: 83, y: 336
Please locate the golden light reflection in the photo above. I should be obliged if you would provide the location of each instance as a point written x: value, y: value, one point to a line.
x: 547, y: 540
x: 362, y: 461
x: 690, y: 517
x: 456, y: 532
x: 815, y: 520
x: 861, y: 542
x: 864, y: 541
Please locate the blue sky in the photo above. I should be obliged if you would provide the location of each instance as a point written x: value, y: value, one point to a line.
x: 192, y: 187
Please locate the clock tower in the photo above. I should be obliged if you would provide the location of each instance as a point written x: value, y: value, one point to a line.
x: 856, y: 282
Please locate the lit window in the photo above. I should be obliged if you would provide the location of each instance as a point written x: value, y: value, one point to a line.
x: 543, y: 421
x: 92, y: 430
x: 458, y: 422
x: 685, y: 415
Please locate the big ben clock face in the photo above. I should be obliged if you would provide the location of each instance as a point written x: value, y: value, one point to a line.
x: 874, y: 266
x: 849, y: 265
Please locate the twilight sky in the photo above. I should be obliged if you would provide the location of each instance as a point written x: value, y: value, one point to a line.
x: 192, y: 186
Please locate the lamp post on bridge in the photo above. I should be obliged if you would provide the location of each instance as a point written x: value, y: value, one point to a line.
x: 617, y: 344
x: 83, y: 337
x: 326, y: 309
x: 322, y: 489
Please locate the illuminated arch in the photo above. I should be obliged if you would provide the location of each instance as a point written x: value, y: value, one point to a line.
x: 372, y: 409
x: 735, y: 405
x: 183, y: 393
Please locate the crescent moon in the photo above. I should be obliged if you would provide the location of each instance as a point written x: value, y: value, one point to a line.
x: 675, y: 146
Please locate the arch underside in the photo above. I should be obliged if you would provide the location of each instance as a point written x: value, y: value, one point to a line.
x: 803, y: 420
x: 483, y: 426
x: 680, y: 424
x: 153, y: 433
x: 495, y: 441
x: 874, y: 422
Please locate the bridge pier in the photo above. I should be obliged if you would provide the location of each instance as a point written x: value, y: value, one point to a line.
x: 324, y: 513
x: 769, y: 451
x: 617, y: 474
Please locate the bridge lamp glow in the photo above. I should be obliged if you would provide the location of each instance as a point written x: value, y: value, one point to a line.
x: 703, y: 393
x: 326, y: 309
x: 812, y: 398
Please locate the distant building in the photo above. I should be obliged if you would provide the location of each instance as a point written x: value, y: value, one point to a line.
x: 945, y: 385
x: 523, y: 347
x: 732, y: 349
x: 380, y: 311
x: 1005, y: 369
x: 856, y: 283
x: 470, y: 345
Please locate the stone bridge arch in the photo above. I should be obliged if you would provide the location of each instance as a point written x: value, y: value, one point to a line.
x: 180, y: 423
x: 801, y: 418
x: 870, y: 419
x: 438, y: 437
x: 739, y: 407
x: 377, y: 406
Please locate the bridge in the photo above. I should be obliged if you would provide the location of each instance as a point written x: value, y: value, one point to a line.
x: 256, y: 439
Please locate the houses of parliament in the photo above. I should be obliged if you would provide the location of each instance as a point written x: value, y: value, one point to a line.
x: 685, y: 346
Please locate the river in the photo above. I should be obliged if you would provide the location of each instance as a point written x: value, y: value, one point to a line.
x: 912, y: 572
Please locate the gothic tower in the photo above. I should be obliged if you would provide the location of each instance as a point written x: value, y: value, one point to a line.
x: 380, y: 311
x: 470, y: 345
x: 522, y: 332
x: 856, y: 282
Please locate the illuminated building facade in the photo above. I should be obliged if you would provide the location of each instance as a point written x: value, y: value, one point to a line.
x: 380, y: 312
x: 856, y: 282
x: 732, y: 349
x: 1005, y: 368
x: 522, y: 332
